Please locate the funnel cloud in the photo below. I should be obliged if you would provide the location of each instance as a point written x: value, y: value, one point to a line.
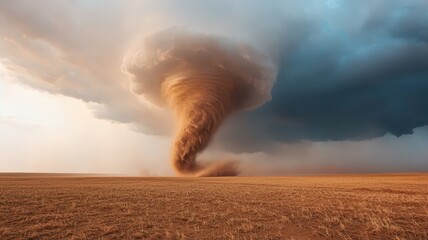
x: 203, y: 79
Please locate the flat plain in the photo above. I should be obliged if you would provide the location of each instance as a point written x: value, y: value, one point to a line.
x: 372, y: 206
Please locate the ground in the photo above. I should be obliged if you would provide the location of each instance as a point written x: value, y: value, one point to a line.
x: 383, y: 206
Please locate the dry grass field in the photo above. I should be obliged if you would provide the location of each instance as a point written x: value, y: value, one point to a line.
x: 389, y: 206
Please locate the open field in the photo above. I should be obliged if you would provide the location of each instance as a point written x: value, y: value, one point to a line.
x: 390, y: 206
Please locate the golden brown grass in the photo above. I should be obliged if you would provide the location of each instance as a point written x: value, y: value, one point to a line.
x: 317, y: 207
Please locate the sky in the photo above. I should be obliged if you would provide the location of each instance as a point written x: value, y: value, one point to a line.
x: 350, y: 90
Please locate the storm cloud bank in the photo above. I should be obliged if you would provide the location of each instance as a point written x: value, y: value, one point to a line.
x: 344, y: 78
x: 346, y: 70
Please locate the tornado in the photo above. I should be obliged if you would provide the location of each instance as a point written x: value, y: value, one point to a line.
x: 203, y: 78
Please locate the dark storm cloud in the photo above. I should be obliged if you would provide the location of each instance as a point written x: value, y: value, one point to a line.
x: 339, y: 80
